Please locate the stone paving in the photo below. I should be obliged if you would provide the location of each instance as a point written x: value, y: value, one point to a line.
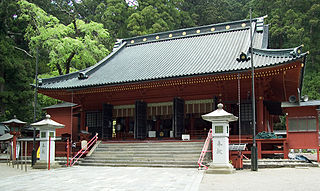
x: 157, y: 179
x: 103, y: 178
x: 275, y: 179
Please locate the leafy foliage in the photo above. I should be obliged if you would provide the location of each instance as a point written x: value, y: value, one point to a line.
x: 292, y: 23
x: 15, y: 91
x: 15, y: 66
x: 78, y: 45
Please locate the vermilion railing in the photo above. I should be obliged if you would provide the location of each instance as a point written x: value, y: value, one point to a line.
x: 83, y: 151
x: 205, y: 150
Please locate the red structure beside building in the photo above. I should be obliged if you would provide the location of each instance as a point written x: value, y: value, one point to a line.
x: 302, y: 125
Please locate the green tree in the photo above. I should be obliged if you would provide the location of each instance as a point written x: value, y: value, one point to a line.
x: 113, y: 14
x: 158, y: 15
x: 15, y: 66
x: 77, y: 45
x: 292, y: 23
x: 205, y: 12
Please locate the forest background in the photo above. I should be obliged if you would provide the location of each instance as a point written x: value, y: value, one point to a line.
x: 71, y: 35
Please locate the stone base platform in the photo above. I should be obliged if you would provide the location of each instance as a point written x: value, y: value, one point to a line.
x: 220, y: 169
x: 44, y: 165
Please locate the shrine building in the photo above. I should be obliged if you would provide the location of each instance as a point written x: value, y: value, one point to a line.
x: 157, y: 86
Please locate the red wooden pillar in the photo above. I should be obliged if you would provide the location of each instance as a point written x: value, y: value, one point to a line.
x: 285, y: 150
x: 260, y: 115
x: 259, y: 149
x: 14, y: 146
x: 285, y: 144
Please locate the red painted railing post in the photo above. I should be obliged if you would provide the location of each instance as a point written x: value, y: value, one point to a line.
x: 205, y: 149
x: 49, y: 152
x: 82, y: 151
x: 68, y: 152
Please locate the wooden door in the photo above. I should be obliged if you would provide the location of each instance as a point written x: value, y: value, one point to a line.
x: 140, y: 124
x: 178, y: 117
x: 107, y: 121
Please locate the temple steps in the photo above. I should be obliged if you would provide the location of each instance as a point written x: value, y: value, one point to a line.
x: 149, y: 154
x: 141, y: 165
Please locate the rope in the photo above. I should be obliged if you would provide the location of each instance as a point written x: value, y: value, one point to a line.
x: 239, y: 106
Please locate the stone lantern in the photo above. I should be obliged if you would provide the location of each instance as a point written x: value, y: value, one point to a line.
x: 15, y: 130
x: 47, y: 128
x: 220, y: 140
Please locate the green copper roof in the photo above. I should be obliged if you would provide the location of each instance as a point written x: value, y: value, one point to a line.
x: 186, y: 52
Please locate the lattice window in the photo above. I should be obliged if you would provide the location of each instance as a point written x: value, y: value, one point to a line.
x: 302, y: 124
x: 94, y: 119
x: 246, y: 112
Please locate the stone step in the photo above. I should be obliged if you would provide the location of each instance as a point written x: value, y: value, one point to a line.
x: 279, y: 163
x: 154, y: 154
x: 265, y: 161
x: 140, y: 162
x: 159, y: 155
x: 148, y: 148
x: 150, y: 144
x: 142, y: 158
x: 139, y: 165
x: 148, y: 153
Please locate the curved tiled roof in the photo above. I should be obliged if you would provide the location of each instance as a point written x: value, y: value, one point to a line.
x: 185, y: 52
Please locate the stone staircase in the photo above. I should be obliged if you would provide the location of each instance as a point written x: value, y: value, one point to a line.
x: 145, y: 154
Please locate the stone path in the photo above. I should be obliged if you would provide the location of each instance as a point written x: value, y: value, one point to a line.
x: 278, y: 179
x: 158, y: 179
x: 104, y: 178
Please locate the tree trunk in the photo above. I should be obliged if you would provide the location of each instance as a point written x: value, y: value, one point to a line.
x: 59, y: 69
x: 68, y: 62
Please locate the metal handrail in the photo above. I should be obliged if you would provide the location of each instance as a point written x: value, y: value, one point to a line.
x: 205, y: 150
x: 82, y: 151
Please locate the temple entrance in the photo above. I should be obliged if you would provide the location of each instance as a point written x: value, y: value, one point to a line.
x: 166, y: 120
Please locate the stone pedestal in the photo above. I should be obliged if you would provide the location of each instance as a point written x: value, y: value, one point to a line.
x: 220, y: 169
x: 44, y: 165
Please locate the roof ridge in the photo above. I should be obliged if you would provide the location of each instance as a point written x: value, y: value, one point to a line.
x: 191, y: 31
x: 187, y: 36
x: 191, y: 28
